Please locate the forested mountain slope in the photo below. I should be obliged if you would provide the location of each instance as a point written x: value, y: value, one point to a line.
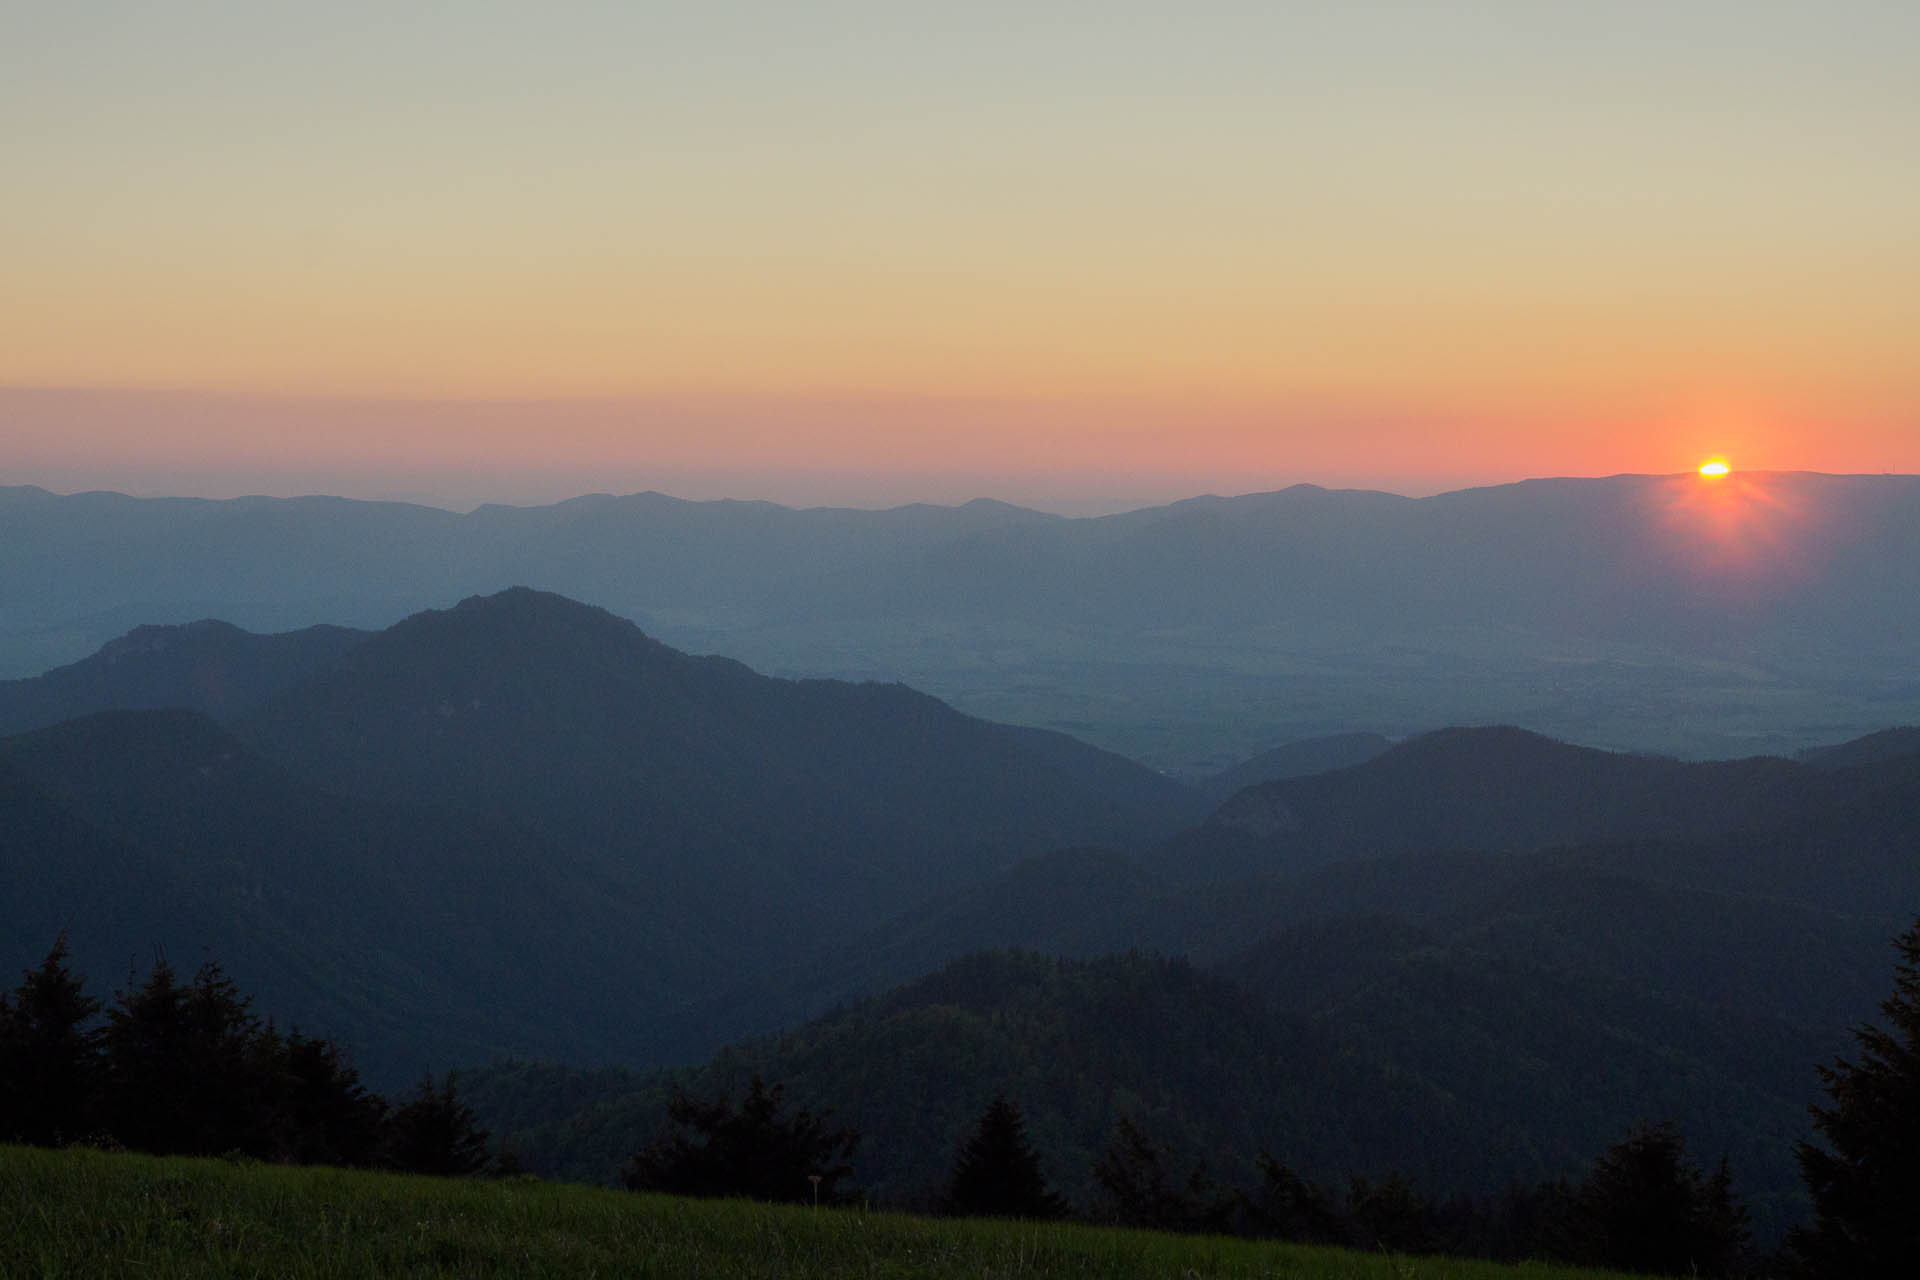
x: 796, y: 804
x: 1202, y: 1063
x: 522, y: 826
x: 413, y: 935
x: 1466, y: 1073
x: 1761, y: 881
x: 1554, y: 995
x: 1504, y: 789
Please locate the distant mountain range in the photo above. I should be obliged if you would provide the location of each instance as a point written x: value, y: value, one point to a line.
x: 1669, y: 613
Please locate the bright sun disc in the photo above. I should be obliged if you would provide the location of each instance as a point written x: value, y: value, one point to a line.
x: 1715, y: 468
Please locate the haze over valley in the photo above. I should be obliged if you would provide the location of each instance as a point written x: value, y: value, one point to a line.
x: 1675, y: 614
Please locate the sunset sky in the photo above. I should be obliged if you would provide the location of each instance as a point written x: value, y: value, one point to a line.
x: 1075, y: 255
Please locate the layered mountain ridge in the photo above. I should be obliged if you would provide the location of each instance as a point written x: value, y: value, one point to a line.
x: 1668, y: 613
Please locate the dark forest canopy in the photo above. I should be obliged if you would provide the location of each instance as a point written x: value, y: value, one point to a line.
x: 1210, y: 1071
x: 1122, y: 1118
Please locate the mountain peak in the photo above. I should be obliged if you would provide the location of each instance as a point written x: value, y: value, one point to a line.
x: 528, y: 607
x: 525, y: 691
x: 523, y: 600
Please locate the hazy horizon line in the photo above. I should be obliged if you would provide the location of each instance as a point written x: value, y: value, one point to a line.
x: 1083, y: 508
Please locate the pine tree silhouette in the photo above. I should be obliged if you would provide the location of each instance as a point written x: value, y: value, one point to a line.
x: 330, y: 1118
x: 998, y: 1175
x: 435, y: 1133
x: 232, y: 1068
x: 49, y: 1055
x: 1865, y: 1183
x: 187, y: 1069
x: 1294, y: 1209
x: 751, y: 1151
x: 177, y: 1069
x: 1390, y: 1214
x: 1651, y: 1210
x: 1132, y: 1171
x: 148, y: 1083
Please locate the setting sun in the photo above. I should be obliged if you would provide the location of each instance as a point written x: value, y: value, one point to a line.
x: 1715, y: 469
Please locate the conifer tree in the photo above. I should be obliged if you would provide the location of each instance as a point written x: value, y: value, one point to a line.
x: 1294, y: 1209
x: 12, y: 1093
x: 752, y: 1151
x: 1651, y: 1210
x: 188, y: 1068
x: 147, y: 1080
x: 1133, y: 1173
x: 1724, y: 1222
x: 177, y: 1069
x: 998, y: 1175
x: 234, y: 1066
x: 435, y: 1133
x: 1865, y: 1182
x: 329, y: 1117
x: 49, y: 1055
x: 1390, y: 1214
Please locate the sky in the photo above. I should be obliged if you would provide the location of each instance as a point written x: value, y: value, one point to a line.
x: 1077, y: 255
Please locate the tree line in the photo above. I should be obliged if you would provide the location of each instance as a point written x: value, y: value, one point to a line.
x: 1645, y: 1205
x: 187, y: 1068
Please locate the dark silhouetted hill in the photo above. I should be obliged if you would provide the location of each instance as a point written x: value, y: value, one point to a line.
x: 1203, y: 1065
x: 522, y: 825
x: 1496, y: 789
x: 1874, y: 748
x: 207, y: 666
x: 801, y: 803
x: 415, y: 935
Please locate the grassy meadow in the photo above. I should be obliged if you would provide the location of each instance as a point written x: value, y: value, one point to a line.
x: 93, y: 1214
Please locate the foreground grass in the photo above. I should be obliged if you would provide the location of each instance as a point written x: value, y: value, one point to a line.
x: 88, y: 1214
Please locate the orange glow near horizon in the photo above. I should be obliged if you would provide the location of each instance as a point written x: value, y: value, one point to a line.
x: 1715, y: 469
x: 1746, y: 537
x: 470, y: 242
x: 878, y: 450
